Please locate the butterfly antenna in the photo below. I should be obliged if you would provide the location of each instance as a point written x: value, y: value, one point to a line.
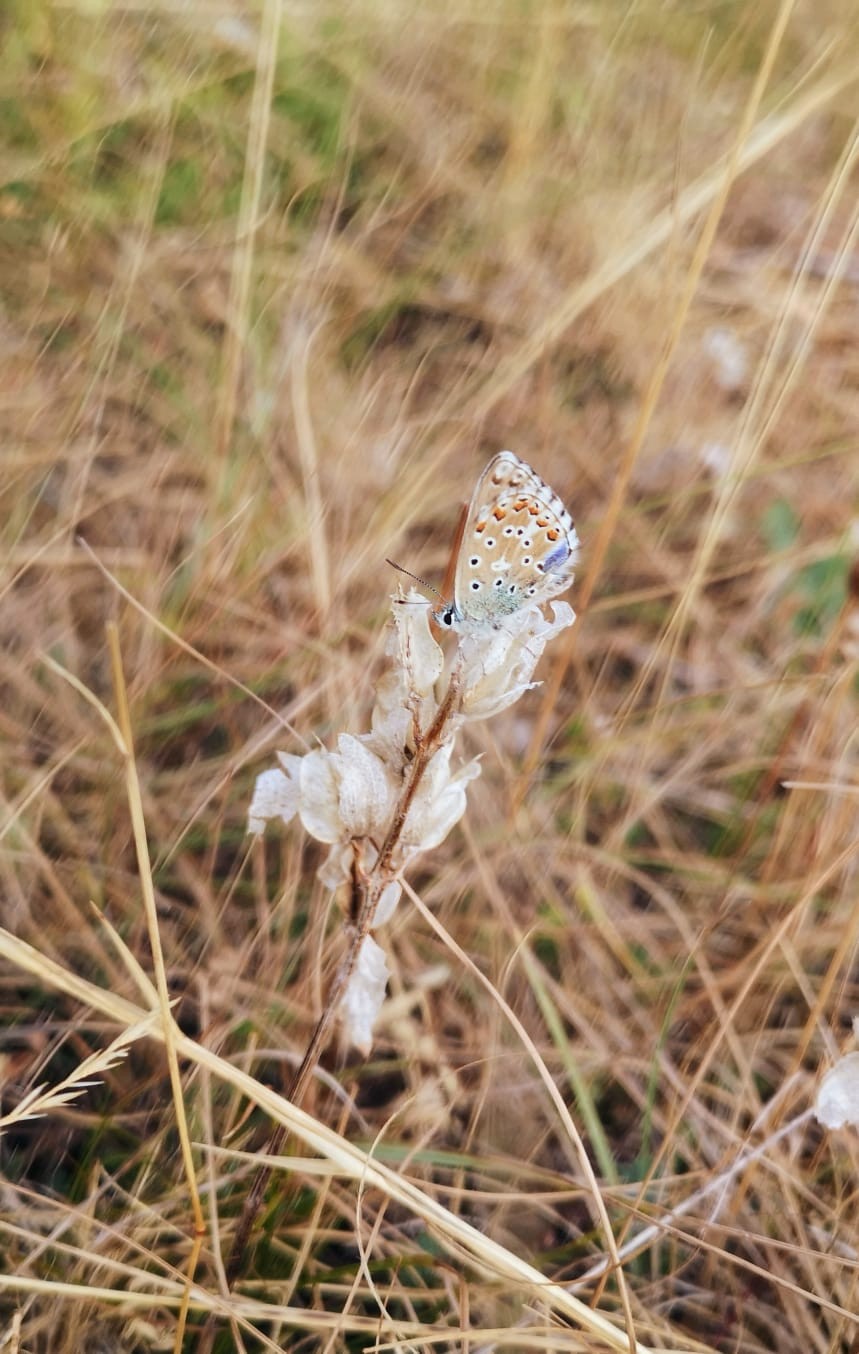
x: 424, y: 584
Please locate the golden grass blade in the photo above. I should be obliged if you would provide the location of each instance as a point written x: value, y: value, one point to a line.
x: 489, y: 1256
x: 595, y: 557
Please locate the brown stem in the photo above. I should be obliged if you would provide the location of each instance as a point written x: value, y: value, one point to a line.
x: 366, y: 890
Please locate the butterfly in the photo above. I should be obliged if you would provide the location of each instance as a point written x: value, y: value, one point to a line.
x: 518, y: 547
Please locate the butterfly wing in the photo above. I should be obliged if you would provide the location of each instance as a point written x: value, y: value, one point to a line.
x: 519, y: 544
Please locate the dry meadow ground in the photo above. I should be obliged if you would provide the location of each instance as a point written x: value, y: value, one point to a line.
x: 276, y: 280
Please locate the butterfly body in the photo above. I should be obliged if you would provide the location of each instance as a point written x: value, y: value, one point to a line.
x: 518, y: 547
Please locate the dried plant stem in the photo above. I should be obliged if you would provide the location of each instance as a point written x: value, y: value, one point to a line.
x: 148, y: 894
x: 235, y: 345
x: 801, y: 717
x: 121, y: 732
x: 368, y: 888
x: 718, y: 1185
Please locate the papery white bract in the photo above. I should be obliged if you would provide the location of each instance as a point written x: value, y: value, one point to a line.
x: 393, y: 721
x: 275, y: 796
x: 837, y: 1101
x: 497, y: 665
x: 421, y: 656
x: 364, y: 994
x: 338, y: 795
x: 317, y: 792
x: 391, y: 895
x: 439, y: 803
x: 367, y: 788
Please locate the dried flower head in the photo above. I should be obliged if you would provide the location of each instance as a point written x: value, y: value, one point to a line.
x: 837, y: 1101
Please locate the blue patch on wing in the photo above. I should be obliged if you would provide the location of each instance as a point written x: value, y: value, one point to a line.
x: 559, y: 556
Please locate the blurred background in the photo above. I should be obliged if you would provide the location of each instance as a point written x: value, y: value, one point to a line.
x: 276, y: 282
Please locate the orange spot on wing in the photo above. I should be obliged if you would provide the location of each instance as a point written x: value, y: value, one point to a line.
x: 553, y: 534
x: 499, y: 513
x: 481, y: 526
x: 542, y: 521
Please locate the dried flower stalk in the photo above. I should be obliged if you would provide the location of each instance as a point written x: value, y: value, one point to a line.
x: 380, y: 799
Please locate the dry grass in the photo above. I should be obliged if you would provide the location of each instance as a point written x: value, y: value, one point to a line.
x: 275, y: 284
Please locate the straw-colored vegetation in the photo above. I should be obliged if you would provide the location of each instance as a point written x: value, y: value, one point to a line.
x: 276, y: 281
